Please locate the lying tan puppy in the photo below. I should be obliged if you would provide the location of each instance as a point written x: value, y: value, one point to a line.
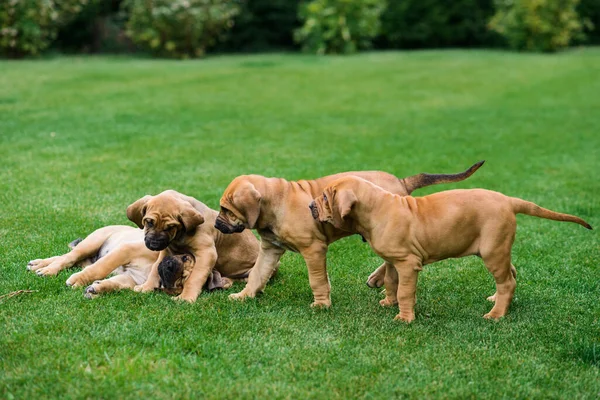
x: 116, y: 248
x: 410, y: 232
x: 120, y: 251
x: 278, y: 210
x: 175, y: 223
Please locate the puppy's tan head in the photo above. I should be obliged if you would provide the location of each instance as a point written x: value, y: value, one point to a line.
x: 164, y: 218
x: 335, y: 204
x: 240, y: 206
x: 174, y: 271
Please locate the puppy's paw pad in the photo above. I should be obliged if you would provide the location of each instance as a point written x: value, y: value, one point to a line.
x: 492, y: 298
x: 90, y: 293
x: 91, y: 289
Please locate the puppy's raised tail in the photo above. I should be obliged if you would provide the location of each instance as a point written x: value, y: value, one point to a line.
x: 412, y: 183
x: 529, y: 208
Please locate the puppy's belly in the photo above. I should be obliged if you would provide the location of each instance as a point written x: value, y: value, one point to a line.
x: 139, y: 274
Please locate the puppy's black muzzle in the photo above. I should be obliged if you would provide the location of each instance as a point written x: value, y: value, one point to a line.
x: 156, y: 242
x: 226, y: 228
x: 314, y: 210
x: 170, y: 270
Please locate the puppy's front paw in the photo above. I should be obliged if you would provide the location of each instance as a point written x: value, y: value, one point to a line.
x: 48, y: 271
x: 241, y: 296
x: 388, y: 302
x: 76, y: 280
x: 493, y: 316
x: 227, y: 283
x: 143, y: 288
x: 90, y: 292
x: 405, y: 317
x: 321, y: 304
x: 185, y: 298
x: 34, y: 265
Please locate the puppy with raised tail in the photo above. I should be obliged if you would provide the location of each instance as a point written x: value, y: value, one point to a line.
x: 409, y: 232
x: 276, y: 208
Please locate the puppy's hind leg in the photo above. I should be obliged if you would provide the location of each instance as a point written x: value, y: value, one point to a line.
x: 377, y: 277
x: 513, y: 271
x: 87, y: 248
x: 391, y: 286
x: 499, y: 265
x: 121, y: 255
x: 117, y: 282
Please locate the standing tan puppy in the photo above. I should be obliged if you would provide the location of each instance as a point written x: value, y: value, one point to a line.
x: 174, y: 223
x: 410, y: 232
x: 278, y: 210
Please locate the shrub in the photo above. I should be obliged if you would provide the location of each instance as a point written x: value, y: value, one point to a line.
x: 590, y: 10
x: 339, y: 26
x: 537, y: 25
x: 27, y: 27
x: 98, y: 28
x: 437, y: 23
x: 179, y: 28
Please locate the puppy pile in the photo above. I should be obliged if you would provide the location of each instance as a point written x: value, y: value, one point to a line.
x: 183, y: 246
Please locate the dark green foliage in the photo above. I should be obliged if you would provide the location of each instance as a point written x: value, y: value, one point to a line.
x: 437, y: 23
x: 262, y: 25
x: 590, y: 10
x: 98, y: 28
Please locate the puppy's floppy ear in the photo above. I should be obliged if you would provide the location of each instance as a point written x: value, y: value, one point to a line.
x: 189, y: 217
x: 248, y: 202
x: 345, y: 200
x: 137, y: 210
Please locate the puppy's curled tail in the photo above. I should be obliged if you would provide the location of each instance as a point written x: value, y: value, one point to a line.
x: 412, y: 183
x: 529, y: 208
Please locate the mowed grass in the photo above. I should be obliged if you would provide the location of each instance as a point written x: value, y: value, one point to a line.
x: 82, y: 138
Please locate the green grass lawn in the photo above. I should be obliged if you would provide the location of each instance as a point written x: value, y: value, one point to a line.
x: 82, y: 138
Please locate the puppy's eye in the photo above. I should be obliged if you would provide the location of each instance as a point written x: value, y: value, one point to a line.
x: 149, y: 223
x: 184, y: 258
x: 324, y: 197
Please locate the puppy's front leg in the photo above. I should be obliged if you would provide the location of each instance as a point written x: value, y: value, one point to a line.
x: 408, y: 272
x: 266, y: 264
x: 205, y: 262
x: 153, y: 280
x: 315, y: 257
